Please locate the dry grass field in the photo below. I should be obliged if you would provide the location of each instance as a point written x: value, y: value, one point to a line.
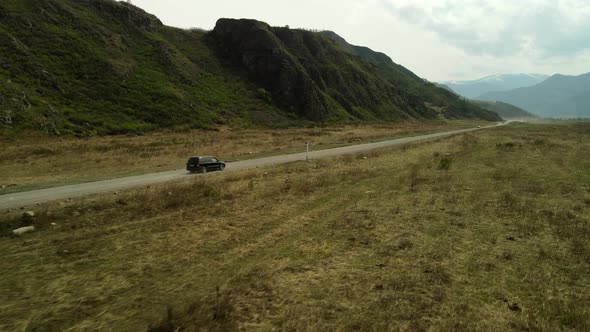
x: 40, y: 162
x: 484, y: 231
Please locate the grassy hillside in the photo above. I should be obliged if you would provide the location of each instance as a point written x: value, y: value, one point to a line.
x: 444, y: 86
x: 505, y: 110
x: 486, y: 231
x: 105, y: 67
x: 558, y: 96
x: 99, y: 66
x: 445, y: 101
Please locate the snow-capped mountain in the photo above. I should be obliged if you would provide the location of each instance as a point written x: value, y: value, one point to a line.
x: 475, y: 88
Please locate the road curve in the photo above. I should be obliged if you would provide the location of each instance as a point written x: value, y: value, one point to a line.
x: 28, y: 198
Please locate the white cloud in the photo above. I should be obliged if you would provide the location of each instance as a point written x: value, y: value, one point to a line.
x: 437, y: 39
x: 502, y: 28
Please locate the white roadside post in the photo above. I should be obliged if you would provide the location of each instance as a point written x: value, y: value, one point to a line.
x: 307, y: 151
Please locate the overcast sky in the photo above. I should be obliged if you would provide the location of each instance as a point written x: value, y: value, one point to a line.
x: 437, y: 39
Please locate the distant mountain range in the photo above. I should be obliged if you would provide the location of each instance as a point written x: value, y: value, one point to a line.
x: 559, y: 96
x: 474, y: 88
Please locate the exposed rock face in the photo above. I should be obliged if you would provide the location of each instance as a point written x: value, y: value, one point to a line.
x: 252, y: 44
x: 309, y: 74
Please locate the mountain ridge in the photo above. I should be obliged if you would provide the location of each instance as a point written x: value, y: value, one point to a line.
x: 452, y: 105
x: 564, y: 96
x: 501, y: 77
x: 473, y: 89
x: 91, y: 67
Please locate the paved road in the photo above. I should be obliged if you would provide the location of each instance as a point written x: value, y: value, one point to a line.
x: 24, y: 199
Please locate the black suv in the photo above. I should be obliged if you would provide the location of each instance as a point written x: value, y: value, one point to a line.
x: 204, y: 164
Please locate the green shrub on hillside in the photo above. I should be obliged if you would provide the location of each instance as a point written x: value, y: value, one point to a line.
x: 105, y: 67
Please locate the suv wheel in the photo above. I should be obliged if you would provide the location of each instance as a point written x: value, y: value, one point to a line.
x: 203, y: 169
x: 221, y: 167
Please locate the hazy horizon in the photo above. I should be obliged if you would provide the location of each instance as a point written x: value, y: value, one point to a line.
x: 441, y: 40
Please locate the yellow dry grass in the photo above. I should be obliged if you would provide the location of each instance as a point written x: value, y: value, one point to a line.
x: 484, y: 231
x: 37, y: 162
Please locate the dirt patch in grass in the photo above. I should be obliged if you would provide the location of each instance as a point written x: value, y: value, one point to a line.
x: 496, y: 241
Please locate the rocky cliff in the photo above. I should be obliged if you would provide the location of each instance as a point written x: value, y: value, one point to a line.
x: 309, y: 74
